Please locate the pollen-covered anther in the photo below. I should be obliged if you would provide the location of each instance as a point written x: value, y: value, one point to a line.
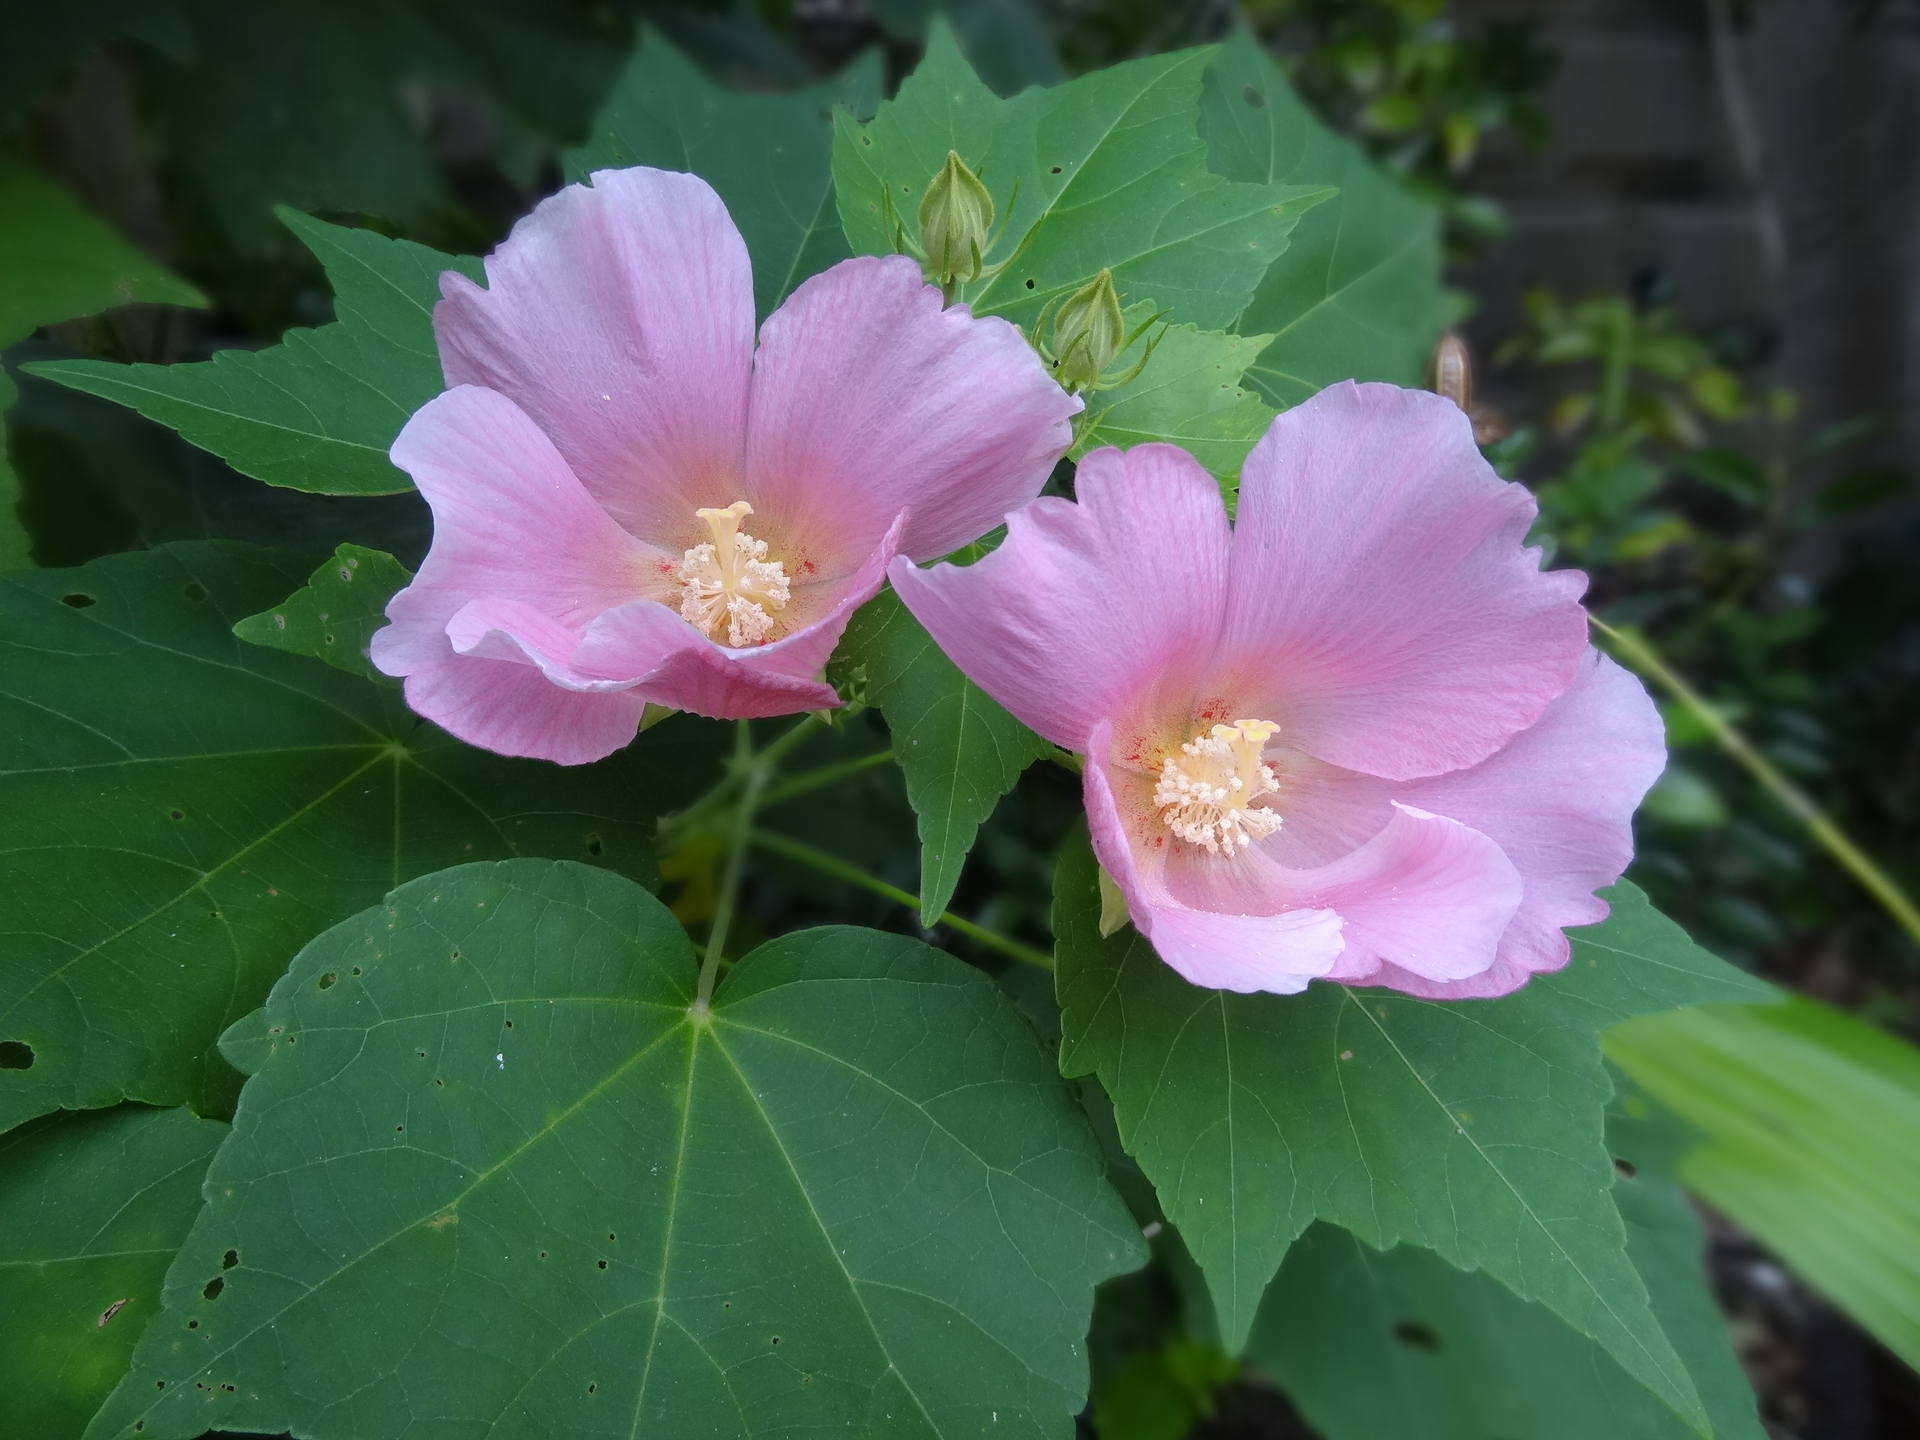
x: 1206, y: 792
x: 727, y: 585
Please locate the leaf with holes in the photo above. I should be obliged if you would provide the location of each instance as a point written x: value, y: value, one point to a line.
x: 334, y: 615
x: 960, y: 752
x: 493, y: 1166
x: 319, y: 410
x: 768, y: 156
x: 1111, y: 174
x: 1188, y: 395
x: 1357, y: 294
x: 1376, y: 1346
x: 92, y: 1208
x: 181, y: 811
x: 1473, y: 1128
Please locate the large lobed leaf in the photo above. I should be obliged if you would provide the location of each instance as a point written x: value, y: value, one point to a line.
x: 1357, y: 294
x: 1811, y: 1122
x: 1470, y: 1128
x: 958, y: 749
x: 333, y: 616
x: 1111, y: 173
x: 1402, y: 1346
x: 495, y: 1174
x: 768, y: 156
x: 180, y: 812
x: 92, y: 1208
x: 318, y: 411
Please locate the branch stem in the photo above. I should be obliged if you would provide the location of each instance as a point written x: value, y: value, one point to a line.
x: 1636, y: 651
x: 843, y: 870
x: 754, y: 769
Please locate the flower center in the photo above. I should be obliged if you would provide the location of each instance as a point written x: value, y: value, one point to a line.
x: 1206, y: 792
x: 728, y: 585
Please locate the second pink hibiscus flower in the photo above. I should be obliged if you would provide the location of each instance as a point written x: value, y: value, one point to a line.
x: 632, y: 505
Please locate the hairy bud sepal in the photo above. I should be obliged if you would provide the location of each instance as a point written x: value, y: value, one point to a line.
x: 956, y: 219
x: 1087, y: 334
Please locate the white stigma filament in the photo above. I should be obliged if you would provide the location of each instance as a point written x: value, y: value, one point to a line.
x: 1206, y: 792
x: 727, y: 585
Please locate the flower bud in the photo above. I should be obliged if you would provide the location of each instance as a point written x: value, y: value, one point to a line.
x: 956, y: 215
x: 1087, y: 333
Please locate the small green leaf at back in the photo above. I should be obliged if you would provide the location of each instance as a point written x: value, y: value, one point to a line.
x: 334, y: 614
x: 320, y: 410
x: 960, y: 751
x: 494, y: 1166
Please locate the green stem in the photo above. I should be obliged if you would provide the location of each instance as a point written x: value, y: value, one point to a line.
x: 842, y: 870
x: 755, y: 769
x: 674, y: 828
x: 1638, y: 652
x: 825, y: 775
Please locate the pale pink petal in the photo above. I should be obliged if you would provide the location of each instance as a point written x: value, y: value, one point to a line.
x: 870, y: 399
x: 510, y: 524
x: 620, y: 317
x: 513, y: 709
x: 1220, y: 949
x: 1383, y: 610
x: 1559, y: 800
x: 1088, y: 610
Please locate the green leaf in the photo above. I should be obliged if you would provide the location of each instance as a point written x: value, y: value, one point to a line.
x: 1402, y: 1346
x: 16, y: 547
x: 1812, y: 1126
x: 36, y: 54
x: 318, y: 411
x: 768, y: 156
x: 1111, y: 173
x: 334, y: 614
x: 1472, y: 1128
x: 181, y: 811
x: 1189, y: 395
x: 1007, y: 40
x: 494, y: 1167
x: 92, y: 1208
x: 57, y: 262
x: 960, y: 752
x: 1357, y: 294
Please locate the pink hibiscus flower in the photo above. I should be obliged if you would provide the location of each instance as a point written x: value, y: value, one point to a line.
x: 633, y: 504
x: 1358, y: 734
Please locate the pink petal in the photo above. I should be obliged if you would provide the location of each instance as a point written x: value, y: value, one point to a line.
x: 1383, y: 608
x: 1088, y: 610
x: 621, y: 319
x: 513, y: 709
x: 510, y: 524
x: 1223, y: 949
x: 1559, y: 800
x: 870, y: 399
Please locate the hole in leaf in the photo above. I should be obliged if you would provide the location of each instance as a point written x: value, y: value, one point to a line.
x: 591, y: 1389
x: 354, y: 971
x: 193, y: 1324
x: 602, y: 1264
x: 176, y: 814
x: 159, y: 1384
x: 1254, y: 98
x: 543, y: 1254
x: 195, y: 591
x: 776, y: 1339
x: 1625, y: 1169
x: 594, y: 847
x: 15, y: 1055
x: 1420, y: 1337
x: 77, y: 600
x: 440, y: 1083
x: 1030, y: 284
x: 213, y: 1288
x: 509, y: 1024
x: 609, y: 1235
x: 139, y: 1424
x: 399, y: 1129
x: 1054, y: 171
x: 230, y: 1259
x: 328, y: 980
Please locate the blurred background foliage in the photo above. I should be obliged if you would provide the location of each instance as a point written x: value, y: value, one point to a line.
x: 1762, y: 543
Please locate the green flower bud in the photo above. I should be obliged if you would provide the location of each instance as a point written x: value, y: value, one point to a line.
x: 956, y: 215
x: 1087, y: 333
